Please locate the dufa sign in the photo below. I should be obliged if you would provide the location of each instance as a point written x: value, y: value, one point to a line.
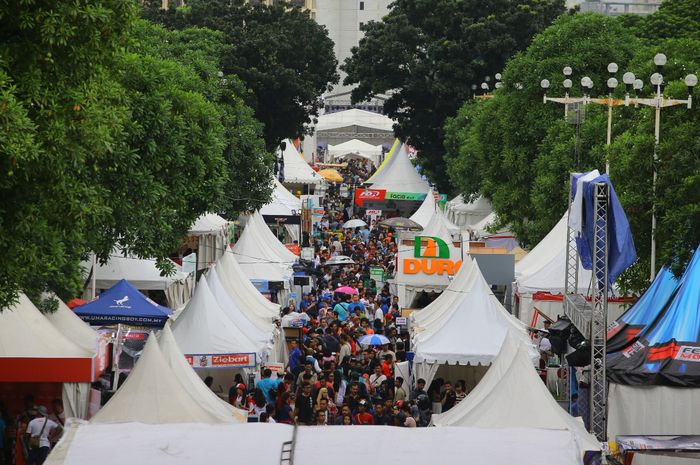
x: 431, y: 255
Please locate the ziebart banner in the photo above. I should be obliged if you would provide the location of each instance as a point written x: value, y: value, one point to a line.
x: 244, y: 360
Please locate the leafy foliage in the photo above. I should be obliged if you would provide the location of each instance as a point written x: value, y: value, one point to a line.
x: 518, y: 152
x: 428, y: 53
x: 283, y: 56
x: 112, y: 131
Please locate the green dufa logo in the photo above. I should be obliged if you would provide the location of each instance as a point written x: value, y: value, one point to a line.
x: 434, y: 248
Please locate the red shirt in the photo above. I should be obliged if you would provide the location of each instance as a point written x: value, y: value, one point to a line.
x: 364, y: 419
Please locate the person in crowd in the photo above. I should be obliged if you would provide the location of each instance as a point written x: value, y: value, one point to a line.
x: 419, y: 389
x: 39, y: 434
x: 448, y: 397
x: 363, y: 417
x: 268, y: 386
x: 304, y: 407
x: 460, y: 391
x: 399, y: 391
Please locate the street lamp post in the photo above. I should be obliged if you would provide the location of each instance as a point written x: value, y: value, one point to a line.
x: 587, y: 85
x: 657, y: 102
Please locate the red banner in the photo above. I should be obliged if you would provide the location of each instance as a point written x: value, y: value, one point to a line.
x: 368, y: 195
x: 294, y: 248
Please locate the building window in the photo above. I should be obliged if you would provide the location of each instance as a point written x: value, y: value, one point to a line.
x: 362, y: 6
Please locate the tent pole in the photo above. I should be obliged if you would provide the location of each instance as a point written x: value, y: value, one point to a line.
x: 93, y: 280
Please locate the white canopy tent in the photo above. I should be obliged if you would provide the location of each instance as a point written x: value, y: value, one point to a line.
x: 399, y: 175
x: 354, y: 117
x: 512, y: 395
x: 213, y: 233
x: 141, y: 273
x: 76, y: 396
x: 429, y: 213
x: 463, y: 214
x: 204, y: 327
x: 465, y: 325
x: 204, y: 330
x: 242, y: 290
x: 153, y: 394
x: 262, y: 335
x: 296, y: 170
x: 193, y: 384
x: 260, y: 254
x: 283, y: 202
x: 356, y: 149
x: 187, y: 444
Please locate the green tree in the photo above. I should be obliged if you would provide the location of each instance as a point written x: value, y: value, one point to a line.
x: 519, y: 153
x: 56, y: 121
x: 426, y: 55
x: 282, y: 55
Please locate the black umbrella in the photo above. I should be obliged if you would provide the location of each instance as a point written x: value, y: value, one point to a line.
x: 401, y: 223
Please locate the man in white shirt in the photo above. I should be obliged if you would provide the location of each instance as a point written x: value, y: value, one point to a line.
x: 376, y: 378
x: 42, y: 428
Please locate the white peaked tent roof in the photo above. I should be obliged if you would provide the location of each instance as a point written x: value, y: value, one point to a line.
x: 296, y: 170
x: 26, y: 332
x: 261, y: 254
x: 480, y: 205
x: 73, y: 327
x: 468, y: 328
x: 282, y: 203
x: 429, y: 215
x: 153, y: 394
x: 204, y: 328
x: 209, y: 223
x: 193, y: 384
x: 242, y: 290
x: 354, y: 117
x: 141, y: 273
x: 512, y: 395
x: 234, y: 312
x: 356, y: 147
x: 480, y: 227
x: 544, y: 268
x: 399, y: 175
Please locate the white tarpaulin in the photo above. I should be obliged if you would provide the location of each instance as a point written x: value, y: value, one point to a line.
x: 153, y: 394
x: 260, y: 254
x: 141, y: 273
x: 263, y: 336
x: 193, y: 384
x: 73, y: 327
x: 652, y: 410
x: 242, y: 291
x: 204, y: 328
x: 356, y: 149
x: 26, y: 332
x: 354, y: 117
x: 432, y: 218
x: 213, y: 233
x: 399, y: 175
x: 464, y: 214
x: 201, y: 444
x: 465, y: 325
x: 296, y: 170
x: 283, y: 202
x: 511, y: 394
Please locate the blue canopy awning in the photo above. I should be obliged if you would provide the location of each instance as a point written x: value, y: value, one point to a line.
x: 625, y: 330
x: 666, y: 352
x: 124, y: 304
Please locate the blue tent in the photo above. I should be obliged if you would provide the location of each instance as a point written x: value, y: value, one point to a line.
x: 644, y: 312
x: 666, y: 352
x: 123, y: 303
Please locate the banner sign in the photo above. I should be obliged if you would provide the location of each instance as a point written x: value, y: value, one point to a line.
x: 222, y: 360
x: 368, y: 195
x: 294, y: 248
x: 377, y: 274
x: 414, y: 196
x: 431, y: 255
x: 373, y: 214
x: 401, y: 321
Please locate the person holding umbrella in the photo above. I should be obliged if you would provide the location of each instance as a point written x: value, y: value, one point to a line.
x: 342, y: 308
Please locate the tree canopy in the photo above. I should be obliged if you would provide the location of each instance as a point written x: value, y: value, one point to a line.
x: 426, y: 55
x: 281, y: 55
x: 519, y: 153
x: 113, y: 132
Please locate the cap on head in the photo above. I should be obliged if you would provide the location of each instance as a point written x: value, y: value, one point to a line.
x: 42, y: 411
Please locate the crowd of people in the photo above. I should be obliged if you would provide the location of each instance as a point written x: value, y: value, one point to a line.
x: 28, y: 438
x: 332, y: 378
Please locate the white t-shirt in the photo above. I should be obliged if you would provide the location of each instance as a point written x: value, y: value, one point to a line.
x: 545, y: 345
x: 34, y: 428
x: 379, y: 314
x: 375, y: 380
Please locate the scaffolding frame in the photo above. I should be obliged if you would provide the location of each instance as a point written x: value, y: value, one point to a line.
x: 591, y: 318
